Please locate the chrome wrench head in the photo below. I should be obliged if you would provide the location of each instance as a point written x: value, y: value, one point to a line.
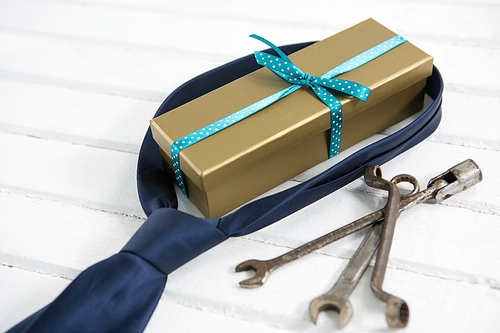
x: 331, y: 302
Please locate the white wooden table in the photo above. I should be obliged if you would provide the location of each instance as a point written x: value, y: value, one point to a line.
x: 79, y: 81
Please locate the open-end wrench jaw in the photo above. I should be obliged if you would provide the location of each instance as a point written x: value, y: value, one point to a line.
x: 337, y: 298
x: 261, y: 273
x: 341, y: 305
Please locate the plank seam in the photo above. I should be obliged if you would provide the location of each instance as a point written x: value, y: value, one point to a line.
x: 71, y: 139
x: 46, y: 196
x: 404, y: 265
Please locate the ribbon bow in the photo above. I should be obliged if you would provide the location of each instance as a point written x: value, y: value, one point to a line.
x: 284, y: 68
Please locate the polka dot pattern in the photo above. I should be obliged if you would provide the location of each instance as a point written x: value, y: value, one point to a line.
x: 217, y: 126
x: 283, y: 67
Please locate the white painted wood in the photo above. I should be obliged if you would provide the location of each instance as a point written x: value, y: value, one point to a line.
x: 177, y: 22
x: 100, y: 178
x: 459, y: 128
x: 75, y: 116
x: 58, y: 233
x: 24, y: 293
x: 35, y: 290
x: 73, y: 60
x: 101, y: 67
x: 57, y: 251
x: 284, y: 300
x: 79, y: 82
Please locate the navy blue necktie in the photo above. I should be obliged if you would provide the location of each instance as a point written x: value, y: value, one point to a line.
x: 120, y: 293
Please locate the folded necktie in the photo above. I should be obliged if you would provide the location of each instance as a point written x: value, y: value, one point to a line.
x: 120, y: 293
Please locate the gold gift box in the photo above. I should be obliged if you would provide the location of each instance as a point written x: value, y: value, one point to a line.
x: 286, y: 138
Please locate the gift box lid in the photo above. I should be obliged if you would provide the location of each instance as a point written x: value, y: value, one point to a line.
x: 292, y: 119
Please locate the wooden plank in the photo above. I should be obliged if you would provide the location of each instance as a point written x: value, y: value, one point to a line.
x: 283, y: 301
x: 35, y: 290
x: 24, y: 292
x: 182, y: 317
x: 59, y: 238
x: 469, y: 120
x: 85, y: 117
x: 159, y: 23
x: 107, y: 178
x: 460, y: 67
x: 100, y: 67
x: 90, y: 66
x: 101, y: 176
x: 87, y: 64
x: 427, y: 160
x: 422, y: 233
x: 31, y: 233
x: 98, y: 178
x: 193, y: 287
x: 76, y: 116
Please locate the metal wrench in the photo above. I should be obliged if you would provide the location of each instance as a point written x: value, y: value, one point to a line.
x: 441, y: 187
x: 397, y: 312
x: 337, y: 298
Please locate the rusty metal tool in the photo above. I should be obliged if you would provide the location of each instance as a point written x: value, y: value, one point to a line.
x: 397, y: 312
x: 337, y: 298
x: 441, y: 187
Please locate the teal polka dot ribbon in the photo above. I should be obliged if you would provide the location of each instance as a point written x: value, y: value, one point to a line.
x: 321, y: 85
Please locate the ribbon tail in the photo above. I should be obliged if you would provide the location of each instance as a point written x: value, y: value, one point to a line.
x: 335, y: 118
x: 271, y: 45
